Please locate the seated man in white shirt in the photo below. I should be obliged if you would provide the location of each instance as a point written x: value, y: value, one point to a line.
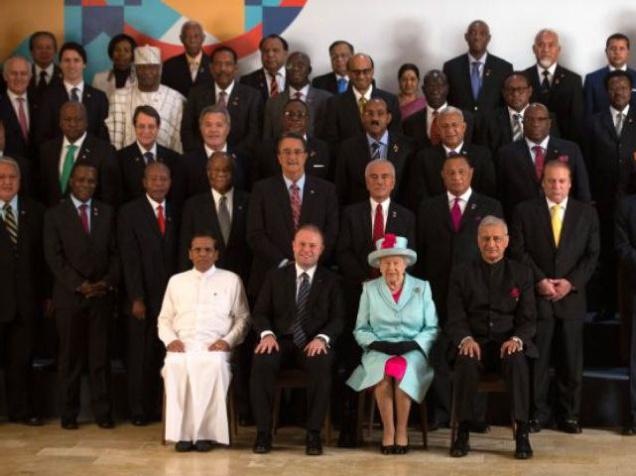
x: 204, y: 315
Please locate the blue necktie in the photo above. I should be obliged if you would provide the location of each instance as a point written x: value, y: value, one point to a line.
x: 475, y: 79
x: 342, y: 85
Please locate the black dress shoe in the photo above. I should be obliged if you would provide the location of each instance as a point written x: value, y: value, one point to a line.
x: 570, y: 426
x: 28, y: 421
x: 479, y: 427
x: 523, y: 450
x: 138, y: 420
x: 263, y: 443
x: 347, y: 439
x: 535, y: 426
x: 313, y: 443
x: 69, y: 424
x: 460, y: 446
x: 629, y: 430
x: 387, y: 450
x: 183, y: 446
x: 203, y: 446
x: 106, y: 423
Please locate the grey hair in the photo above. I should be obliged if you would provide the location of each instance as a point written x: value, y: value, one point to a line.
x: 491, y: 220
x: 189, y: 24
x: 450, y: 110
x: 215, y: 109
x: 543, y: 31
x: 12, y: 59
x: 379, y: 161
x: 10, y: 161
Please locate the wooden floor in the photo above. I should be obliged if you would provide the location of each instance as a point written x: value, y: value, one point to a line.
x: 129, y: 450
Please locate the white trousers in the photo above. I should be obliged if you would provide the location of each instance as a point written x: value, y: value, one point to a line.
x: 196, y: 385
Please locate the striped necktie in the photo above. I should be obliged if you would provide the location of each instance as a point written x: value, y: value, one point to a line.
x: 10, y: 223
x: 302, y: 311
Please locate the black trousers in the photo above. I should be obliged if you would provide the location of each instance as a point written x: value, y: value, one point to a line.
x: 566, y: 337
x: 608, y: 260
x: 632, y: 370
x: 265, y: 369
x: 16, y: 339
x: 145, y: 358
x: 84, y: 337
x: 513, y: 367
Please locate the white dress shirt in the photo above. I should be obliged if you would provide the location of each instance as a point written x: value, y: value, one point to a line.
x: 303, y: 92
x: 543, y: 144
x: 65, y: 145
x: 16, y: 105
x: 551, y: 70
x: 80, y: 89
x: 457, y: 150
x: 562, y: 207
x: 430, y: 117
x: 152, y: 150
x: 228, y: 91
x: 385, y: 211
x: 155, y: 205
x: 463, y: 199
x: 229, y: 197
x: 281, y: 76
x: 482, y: 60
x: 49, y: 70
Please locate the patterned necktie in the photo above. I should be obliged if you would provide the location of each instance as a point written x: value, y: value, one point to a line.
x: 295, y: 204
x: 517, y: 127
x: 273, y: 90
x: 557, y: 223
x: 539, y: 160
x: 224, y: 218
x: 435, y: 136
x: 375, y: 150
x: 298, y: 95
x: 362, y: 103
x: 222, y: 99
x: 545, y: 84
x: 302, y: 312
x: 620, y: 120
x: 378, y: 224
x: 149, y: 157
x: 10, y: 223
x: 75, y: 95
x: 69, y: 160
x: 84, y: 218
x: 456, y: 214
x: 22, y: 119
x: 342, y: 85
x: 161, y: 220
x: 475, y: 79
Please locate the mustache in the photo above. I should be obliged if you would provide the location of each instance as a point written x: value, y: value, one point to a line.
x: 375, y: 123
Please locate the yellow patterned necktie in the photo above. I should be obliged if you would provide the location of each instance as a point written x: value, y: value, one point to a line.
x: 362, y: 103
x: 557, y: 223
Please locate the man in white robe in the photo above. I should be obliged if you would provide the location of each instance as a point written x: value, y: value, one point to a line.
x: 204, y: 315
x: 147, y: 91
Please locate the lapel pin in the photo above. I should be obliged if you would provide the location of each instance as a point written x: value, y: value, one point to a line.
x: 488, y: 72
x: 473, y: 206
x: 240, y: 207
x: 311, y: 191
x: 395, y: 148
x: 393, y: 214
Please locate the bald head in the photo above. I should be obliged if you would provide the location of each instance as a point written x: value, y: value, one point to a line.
x: 73, y: 120
x: 360, y: 70
x: 477, y: 37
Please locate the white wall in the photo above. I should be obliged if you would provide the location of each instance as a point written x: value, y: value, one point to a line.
x: 429, y: 32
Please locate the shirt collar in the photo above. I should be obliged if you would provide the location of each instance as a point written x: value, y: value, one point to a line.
x: 13, y: 202
x: 50, y: 69
x: 217, y: 195
x: 614, y: 68
x: 77, y: 202
x: 311, y: 271
x: 304, y: 91
x: 512, y: 112
x: 614, y: 111
x: 366, y: 95
x: 143, y: 150
x: 385, y: 204
x: 345, y: 77
x: 13, y: 96
x: 384, y: 140
x: 156, y: 204
x: 551, y: 70
x: 78, y: 142
x: 300, y: 182
x: 457, y: 149
x: 209, y: 152
x: 205, y: 274
x: 464, y: 196
x: 563, y: 204
x: 543, y: 143
x: 194, y: 59
x: 228, y: 89
x: 69, y: 87
x: 482, y: 60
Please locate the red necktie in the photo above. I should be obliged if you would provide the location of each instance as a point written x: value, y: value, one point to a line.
x: 295, y: 204
x: 456, y: 214
x: 298, y: 95
x: 22, y: 119
x: 84, y: 218
x: 273, y: 90
x: 161, y: 220
x: 378, y: 224
x: 539, y: 160
x: 435, y: 137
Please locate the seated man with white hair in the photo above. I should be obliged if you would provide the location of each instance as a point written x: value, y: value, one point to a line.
x: 204, y: 315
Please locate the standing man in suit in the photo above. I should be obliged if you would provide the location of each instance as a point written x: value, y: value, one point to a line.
x: 477, y: 77
x: 43, y: 48
x: 242, y: 102
x: 594, y: 90
x: 376, y: 142
x: 280, y: 204
x: 298, y: 87
x: 73, y: 62
x: 425, y: 172
x: 557, y: 87
x: 344, y: 111
x: 298, y: 316
x: 57, y: 157
x: 27, y: 182
x: 558, y: 237
x: 446, y: 229
x: 80, y: 249
x: 271, y: 79
x: 362, y: 225
x: 520, y: 164
x: 22, y: 290
x: 336, y: 82
x: 611, y: 140
x: 147, y: 233
x: 192, y: 67
x: 492, y: 320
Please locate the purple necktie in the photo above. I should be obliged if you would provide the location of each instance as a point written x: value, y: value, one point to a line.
x: 456, y: 214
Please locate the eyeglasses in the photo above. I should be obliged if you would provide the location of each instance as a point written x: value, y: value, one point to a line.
x: 358, y: 72
x: 295, y: 115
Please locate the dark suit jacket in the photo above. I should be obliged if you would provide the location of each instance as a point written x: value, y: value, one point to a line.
x: 492, y: 314
x: 199, y: 214
x: 270, y: 229
x: 175, y: 73
x: 326, y: 82
x: 532, y: 243
x: 355, y: 238
x: 15, y: 143
x: 194, y: 166
x: 498, y: 130
x: 625, y: 237
x: 75, y: 257
x: 99, y: 152
x: 565, y: 99
x: 318, y: 159
x: 256, y: 79
x: 595, y: 94
x: 415, y: 126
x: 23, y: 278
x: 148, y: 258
x: 245, y: 108
x: 353, y: 157
x: 517, y: 177
x: 275, y: 307
x: 425, y: 173
x: 440, y: 248
x: 48, y: 123
x: 55, y: 80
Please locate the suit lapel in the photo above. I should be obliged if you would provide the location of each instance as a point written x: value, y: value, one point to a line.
x: 544, y: 219
x: 284, y: 200
x: 608, y: 124
x: 570, y: 220
x: 465, y: 74
x: 393, y: 150
x: 74, y: 220
x: 307, y: 205
x: 504, y: 125
x: 364, y: 220
x: 85, y: 150
x: 527, y: 160
x: 151, y: 219
x: 470, y: 212
x: 237, y: 211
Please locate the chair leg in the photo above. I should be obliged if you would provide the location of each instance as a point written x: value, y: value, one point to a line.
x: 424, y: 424
x: 276, y: 409
x: 163, y: 420
x: 231, y: 412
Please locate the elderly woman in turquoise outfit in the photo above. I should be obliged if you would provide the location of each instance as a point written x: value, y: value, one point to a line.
x: 396, y: 327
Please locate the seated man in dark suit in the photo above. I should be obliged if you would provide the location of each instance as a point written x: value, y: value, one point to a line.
x: 298, y: 87
x: 43, y: 48
x: 298, y: 316
x: 492, y: 320
x: 558, y: 237
x: 242, y: 102
x: 594, y: 90
x: 271, y: 79
x: 23, y: 283
x: 295, y: 119
x: 57, y: 157
x: 80, y: 250
x: 73, y: 62
x: 520, y: 164
x: 422, y: 126
x: 336, y: 82
x: 147, y: 232
x: 145, y: 150
x: 362, y: 225
x: 192, y: 67
x: 425, y: 171
x: 557, y: 87
x: 446, y: 229
x: 376, y: 142
x: 280, y: 204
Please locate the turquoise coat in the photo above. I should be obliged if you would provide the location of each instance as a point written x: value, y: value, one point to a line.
x: 413, y: 317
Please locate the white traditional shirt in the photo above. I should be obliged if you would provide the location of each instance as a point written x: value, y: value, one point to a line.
x: 168, y: 103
